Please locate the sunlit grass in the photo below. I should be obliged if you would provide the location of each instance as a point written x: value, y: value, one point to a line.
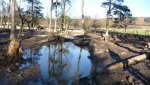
x: 140, y: 30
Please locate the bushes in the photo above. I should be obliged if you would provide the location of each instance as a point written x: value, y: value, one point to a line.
x: 147, y: 20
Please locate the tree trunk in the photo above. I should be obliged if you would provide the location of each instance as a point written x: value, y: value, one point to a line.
x: 28, y: 23
x: 56, y: 17
x: 50, y: 20
x: 63, y: 17
x: 22, y: 22
x: 125, y: 29
x: 61, y: 58
x: 14, y: 46
x: 8, y: 22
x: 2, y: 14
x: 107, y: 26
x: 82, y: 14
x: 32, y: 16
x: 20, y: 29
x: 12, y: 19
x: 78, y: 66
x: 14, y: 49
x: 64, y: 23
x: 107, y: 19
x: 49, y: 60
x: 5, y: 22
x: 8, y: 11
x: 55, y: 25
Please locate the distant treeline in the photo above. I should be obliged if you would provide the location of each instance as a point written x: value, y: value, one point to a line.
x: 94, y: 23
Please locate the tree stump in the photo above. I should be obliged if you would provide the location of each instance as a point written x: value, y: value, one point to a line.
x: 14, y: 49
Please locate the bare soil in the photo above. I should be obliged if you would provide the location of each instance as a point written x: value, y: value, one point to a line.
x: 103, y: 53
x: 117, y: 48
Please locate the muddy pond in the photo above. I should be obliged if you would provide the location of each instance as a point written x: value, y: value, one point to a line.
x: 57, y: 64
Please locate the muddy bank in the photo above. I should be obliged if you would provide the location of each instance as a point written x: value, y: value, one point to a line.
x: 102, y: 53
x: 10, y: 72
x: 20, y: 76
x: 105, y: 53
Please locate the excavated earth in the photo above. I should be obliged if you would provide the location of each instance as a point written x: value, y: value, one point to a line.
x: 103, y: 53
x: 115, y: 49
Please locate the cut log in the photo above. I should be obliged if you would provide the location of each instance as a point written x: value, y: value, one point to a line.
x: 125, y: 63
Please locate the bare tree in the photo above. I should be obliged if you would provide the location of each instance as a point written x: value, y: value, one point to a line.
x: 64, y: 4
x: 14, y: 46
x: 2, y: 14
x: 21, y: 14
x: 82, y: 14
x: 56, y: 5
x: 108, y: 6
x: 78, y: 66
x: 50, y: 20
x: 8, y: 14
x: 34, y: 12
x: 88, y: 22
x: 12, y: 19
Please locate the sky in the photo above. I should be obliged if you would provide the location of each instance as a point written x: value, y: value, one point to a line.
x: 139, y: 8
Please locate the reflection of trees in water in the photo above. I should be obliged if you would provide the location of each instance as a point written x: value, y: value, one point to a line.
x: 35, y: 55
x: 59, y: 56
x: 31, y: 57
x: 29, y: 69
x: 57, y: 62
x: 78, y: 74
x: 78, y: 64
x: 49, y: 46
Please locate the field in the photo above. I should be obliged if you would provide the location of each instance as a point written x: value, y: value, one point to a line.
x: 140, y: 30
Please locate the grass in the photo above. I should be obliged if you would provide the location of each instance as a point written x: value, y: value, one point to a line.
x: 138, y: 30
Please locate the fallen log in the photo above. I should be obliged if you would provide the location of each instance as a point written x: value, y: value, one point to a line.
x: 125, y: 63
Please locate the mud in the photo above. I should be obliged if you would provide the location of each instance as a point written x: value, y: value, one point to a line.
x: 102, y: 53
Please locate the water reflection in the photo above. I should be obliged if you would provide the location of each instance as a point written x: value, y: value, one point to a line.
x: 59, y: 63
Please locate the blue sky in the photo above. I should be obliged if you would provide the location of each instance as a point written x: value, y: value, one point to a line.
x: 139, y: 8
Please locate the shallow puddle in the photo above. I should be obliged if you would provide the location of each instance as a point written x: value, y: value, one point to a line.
x: 58, y: 64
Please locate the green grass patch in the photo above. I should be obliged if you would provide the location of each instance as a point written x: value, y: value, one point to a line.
x: 138, y: 30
